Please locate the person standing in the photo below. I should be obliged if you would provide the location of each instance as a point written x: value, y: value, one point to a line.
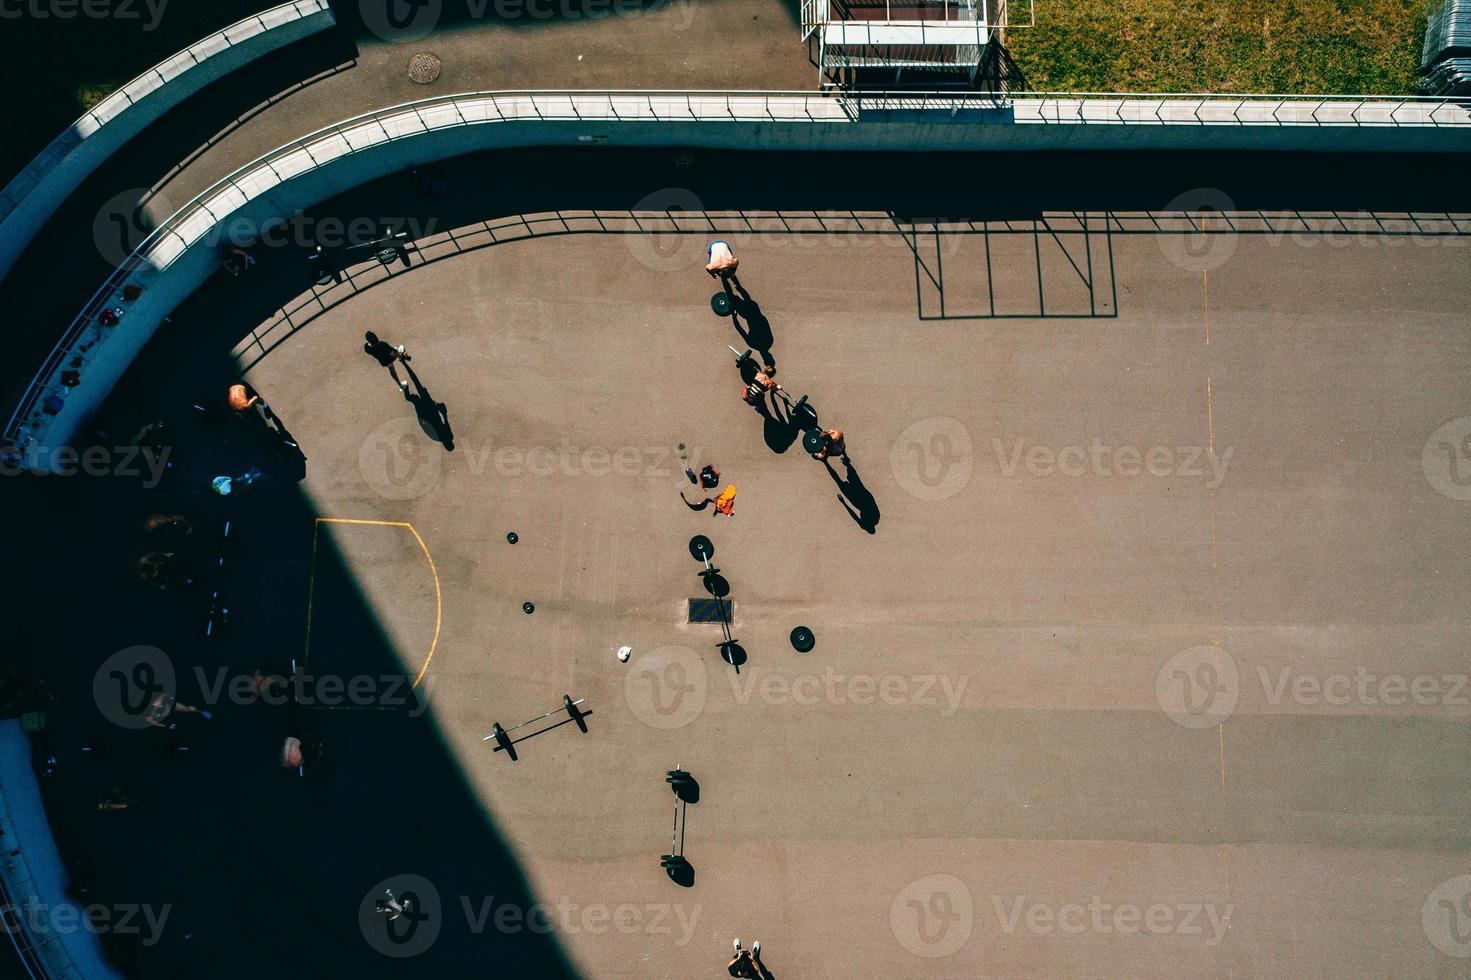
x: 747, y: 962
x: 832, y: 442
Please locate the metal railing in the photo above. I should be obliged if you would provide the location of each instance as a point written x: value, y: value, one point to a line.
x: 138, y: 88
x: 199, y: 218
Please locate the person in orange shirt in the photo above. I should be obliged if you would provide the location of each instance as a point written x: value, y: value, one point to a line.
x: 242, y: 399
x: 724, y: 504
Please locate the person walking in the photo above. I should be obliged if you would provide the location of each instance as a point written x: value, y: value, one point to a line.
x: 721, y: 263
x: 387, y: 355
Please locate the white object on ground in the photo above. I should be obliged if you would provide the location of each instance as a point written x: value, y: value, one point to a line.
x: 624, y: 653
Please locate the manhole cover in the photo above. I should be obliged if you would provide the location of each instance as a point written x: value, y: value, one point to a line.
x: 424, y: 68
x: 710, y: 610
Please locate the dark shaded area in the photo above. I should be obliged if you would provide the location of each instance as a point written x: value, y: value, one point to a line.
x: 60, y: 56
x: 216, y: 828
x: 404, y: 21
x: 855, y: 497
x: 103, y: 221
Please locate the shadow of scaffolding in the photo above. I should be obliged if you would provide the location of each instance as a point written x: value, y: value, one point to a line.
x: 1029, y: 269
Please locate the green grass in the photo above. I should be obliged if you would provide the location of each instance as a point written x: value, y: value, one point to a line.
x: 1328, y: 47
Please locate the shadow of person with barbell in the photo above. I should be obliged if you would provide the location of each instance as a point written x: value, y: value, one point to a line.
x: 756, y: 330
x: 855, y: 497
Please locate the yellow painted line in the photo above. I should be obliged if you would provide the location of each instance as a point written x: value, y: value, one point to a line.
x: 1210, y: 416
x: 433, y: 571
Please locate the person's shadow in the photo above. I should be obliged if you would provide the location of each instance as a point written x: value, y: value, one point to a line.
x: 433, y: 415
x: 855, y: 498
x: 756, y: 331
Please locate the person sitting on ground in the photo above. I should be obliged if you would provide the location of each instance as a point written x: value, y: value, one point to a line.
x: 722, y: 263
x: 164, y: 705
x: 162, y: 570
x: 168, y: 522
x: 268, y: 685
x: 295, y: 753
x: 724, y: 504
x: 238, y: 260
x: 114, y: 799
x: 747, y: 962
x: 393, y: 907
